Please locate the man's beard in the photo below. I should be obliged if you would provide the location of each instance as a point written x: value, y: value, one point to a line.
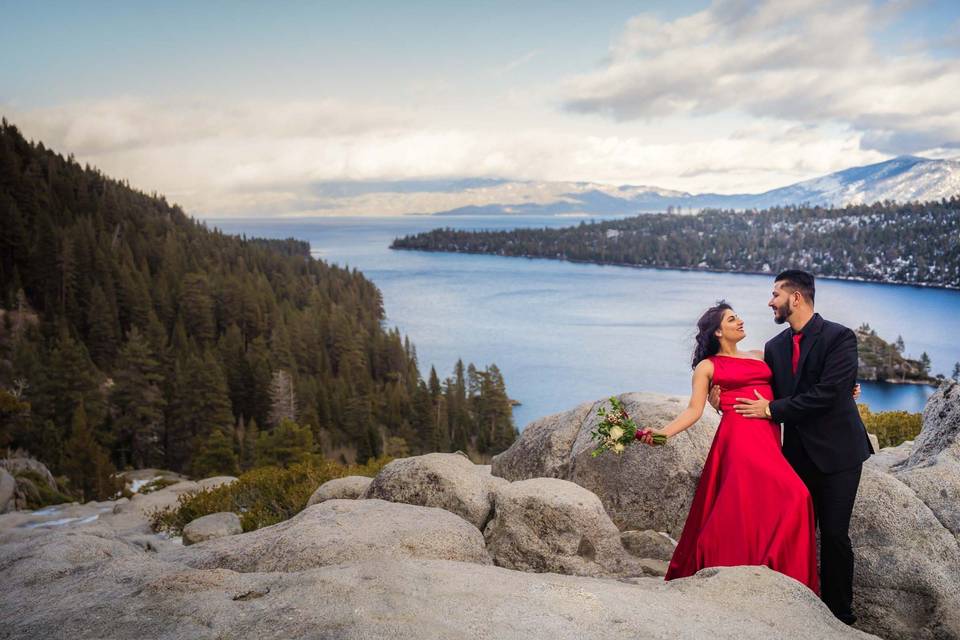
x: 781, y: 313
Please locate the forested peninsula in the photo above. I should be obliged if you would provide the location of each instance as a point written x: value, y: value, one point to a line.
x: 135, y: 336
x: 912, y: 243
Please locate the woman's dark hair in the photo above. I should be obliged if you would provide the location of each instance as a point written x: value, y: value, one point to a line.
x: 707, y: 343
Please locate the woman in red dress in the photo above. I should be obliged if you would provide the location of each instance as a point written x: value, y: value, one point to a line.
x: 750, y: 506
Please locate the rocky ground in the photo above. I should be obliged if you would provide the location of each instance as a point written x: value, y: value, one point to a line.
x: 547, y: 542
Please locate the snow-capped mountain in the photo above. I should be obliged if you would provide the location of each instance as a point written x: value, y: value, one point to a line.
x: 902, y: 179
x: 905, y: 178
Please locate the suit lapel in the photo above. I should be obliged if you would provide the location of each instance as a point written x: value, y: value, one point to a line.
x: 784, y: 377
x: 810, y: 336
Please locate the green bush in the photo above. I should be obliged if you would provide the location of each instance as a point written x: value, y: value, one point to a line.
x: 891, y: 427
x: 262, y: 496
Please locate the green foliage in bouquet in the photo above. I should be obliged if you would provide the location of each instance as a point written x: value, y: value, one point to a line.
x: 616, y: 429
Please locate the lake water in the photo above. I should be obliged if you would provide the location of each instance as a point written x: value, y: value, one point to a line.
x: 564, y: 333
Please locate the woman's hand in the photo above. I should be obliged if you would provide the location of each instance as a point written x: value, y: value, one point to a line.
x: 856, y: 391
x: 646, y: 435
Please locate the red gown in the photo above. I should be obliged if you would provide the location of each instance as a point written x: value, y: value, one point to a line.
x: 750, y: 507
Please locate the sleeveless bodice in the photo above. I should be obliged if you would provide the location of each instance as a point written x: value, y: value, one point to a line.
x: 739, y: 378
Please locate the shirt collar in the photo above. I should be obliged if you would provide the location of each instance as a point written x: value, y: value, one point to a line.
x: 804, y: 327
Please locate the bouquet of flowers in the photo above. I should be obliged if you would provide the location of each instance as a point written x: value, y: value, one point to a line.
x: 616, y: 430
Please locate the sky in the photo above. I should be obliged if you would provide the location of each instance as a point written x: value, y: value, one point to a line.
x: 243, y: 108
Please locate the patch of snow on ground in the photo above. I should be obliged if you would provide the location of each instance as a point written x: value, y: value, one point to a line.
x: 136, y: 485
x: 50, y: 523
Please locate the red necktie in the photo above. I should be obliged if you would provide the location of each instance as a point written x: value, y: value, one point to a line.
x: 795, y: 360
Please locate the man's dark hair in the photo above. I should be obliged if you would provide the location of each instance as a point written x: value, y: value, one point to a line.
x: 797, y: 280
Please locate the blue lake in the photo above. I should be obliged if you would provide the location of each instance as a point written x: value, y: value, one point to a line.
x: 564, y: 333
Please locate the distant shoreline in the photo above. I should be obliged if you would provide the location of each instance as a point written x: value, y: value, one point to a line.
x: 926, y: 383
x: 701, y: 269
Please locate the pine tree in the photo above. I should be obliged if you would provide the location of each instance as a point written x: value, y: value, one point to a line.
x: 956, y: 371
x: 197, y: 307
x: 86, y: 464
x: 66, y: 270
x: 286, y: 444
x: 215, y: 456
x: 101, y: 335
x: 200, y: 406
x: 137, y: 396
x: 434, y: 383
x: 14, y: 419
x: 251, y: 434
x: 257, y: 404
x: 70, y: 379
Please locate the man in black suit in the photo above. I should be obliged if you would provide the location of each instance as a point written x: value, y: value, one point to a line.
x: 814, y: 364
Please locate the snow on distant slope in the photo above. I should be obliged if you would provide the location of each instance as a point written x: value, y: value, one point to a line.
x: 902, y: 179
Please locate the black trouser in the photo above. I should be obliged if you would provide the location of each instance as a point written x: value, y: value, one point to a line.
x: 833, y: 497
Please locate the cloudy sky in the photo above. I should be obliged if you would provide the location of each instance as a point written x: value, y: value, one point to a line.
x: 236, y: 108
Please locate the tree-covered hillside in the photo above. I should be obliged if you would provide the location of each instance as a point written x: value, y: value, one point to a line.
x: 132, y: 335
x: 913, y: 243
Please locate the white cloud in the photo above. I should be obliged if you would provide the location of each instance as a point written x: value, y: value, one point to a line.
x: 807, y: 61
x: 265, y: 158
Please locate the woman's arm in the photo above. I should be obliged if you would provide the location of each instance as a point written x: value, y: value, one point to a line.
x: 698, y: 399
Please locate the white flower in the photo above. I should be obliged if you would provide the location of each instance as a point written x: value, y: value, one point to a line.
x: 616, y: 433
x: 618, y: 448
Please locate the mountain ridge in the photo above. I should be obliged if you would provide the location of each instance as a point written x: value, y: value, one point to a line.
x: 901, y: 179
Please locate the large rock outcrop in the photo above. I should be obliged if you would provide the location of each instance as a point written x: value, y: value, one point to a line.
x: 543, y: 448
x: 933, y: 468
x: 447, y: 481
x: 907, y: 566
x: 645, y: 487
x: 905, y: 530
x: 93, y: 584
x: 547, y: 524
x: 399, y: 568
x: 338, y: 531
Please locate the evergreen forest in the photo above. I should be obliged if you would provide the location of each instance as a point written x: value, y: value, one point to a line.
x: 133, y: 335
x: 908, y: 243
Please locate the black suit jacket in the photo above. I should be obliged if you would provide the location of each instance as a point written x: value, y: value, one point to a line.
x: 816, y: 405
